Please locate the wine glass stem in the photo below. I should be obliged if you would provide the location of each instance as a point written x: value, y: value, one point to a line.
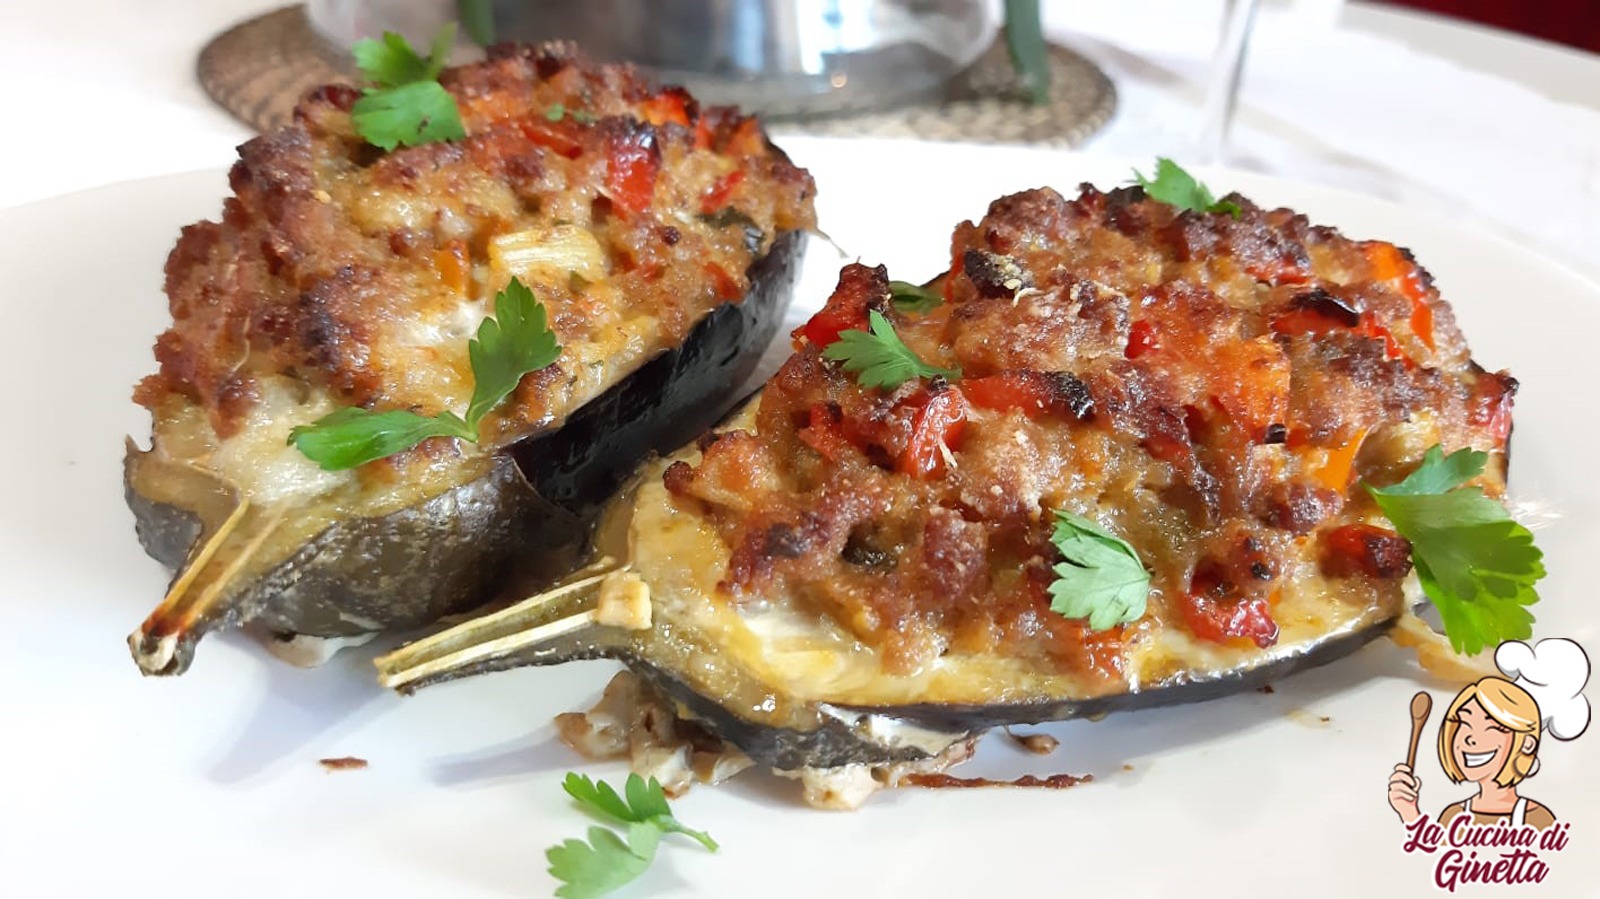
x: 1222, y: 87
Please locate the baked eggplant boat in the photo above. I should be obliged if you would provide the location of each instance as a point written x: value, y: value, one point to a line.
x: 1113, y: 458
x: 658, y: 243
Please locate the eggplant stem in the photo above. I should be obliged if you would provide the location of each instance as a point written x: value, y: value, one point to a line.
x: 498, y: 635
x: 203, y: 557
x: 165, y: 638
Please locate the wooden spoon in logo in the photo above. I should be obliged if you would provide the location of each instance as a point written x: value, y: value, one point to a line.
x: 1421, y: 705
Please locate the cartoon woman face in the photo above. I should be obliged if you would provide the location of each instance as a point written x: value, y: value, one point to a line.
x: 1483, y: 745
x: 1490, y: 734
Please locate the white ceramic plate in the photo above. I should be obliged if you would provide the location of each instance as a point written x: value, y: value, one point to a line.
x: 117, y: 785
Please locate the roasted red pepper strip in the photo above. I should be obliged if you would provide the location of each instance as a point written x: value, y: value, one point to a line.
x: 937, y: 424
x: 1221, y: 619
x: 1366, y: 549
x: 847, y: 307
x: 1009, y: 390
x: 1311, y: 321
x: 824, y: 432
x: 556, y: 136
x: 632, y: 163
x: 726, y: 286
x: 717, y: 197
x: 1033, y: 393
x: 1392, y: 267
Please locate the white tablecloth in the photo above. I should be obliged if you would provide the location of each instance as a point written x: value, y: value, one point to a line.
x: 1498, y: 132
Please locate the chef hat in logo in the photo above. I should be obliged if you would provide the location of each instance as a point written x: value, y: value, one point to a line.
x: 1554, y: 672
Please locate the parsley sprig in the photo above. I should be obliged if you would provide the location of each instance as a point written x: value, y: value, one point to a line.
x: 516, y: 341
x: 1174, y: 185
x: 607, y: 860
x: 406, y: 104
x: 878, y: 358
x: 915, y: 298
x: 1100, y: 578
x: 1473, y: 560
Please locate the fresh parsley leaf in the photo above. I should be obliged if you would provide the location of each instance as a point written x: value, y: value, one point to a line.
x: 602, y: 864
x: 406, y: 105
x: 908, y: 297
x: 1473, y: 560
x: 646, y: 803
x: 1101, y: 578
x: 516, y: 341
x: 390, y: 62
x: 1439, y: 473
x: 417, y: 113
x: 355, y: 436
x: 512, y: 344
x: 1174, y: 185
x: 878, y: 358
x: 607, y: 861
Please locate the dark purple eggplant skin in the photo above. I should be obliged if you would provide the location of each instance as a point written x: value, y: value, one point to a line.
x: 453, y: 552
x: 671, y: 400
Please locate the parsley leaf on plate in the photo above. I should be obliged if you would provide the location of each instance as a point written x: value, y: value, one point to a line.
x: 878, y: 358
x: 607, y: 861
x: 646, y: 803
x: 406, y: 104
x: 513, y: 343
x: 1174, y: 185
x: 602, y: 864
x: 908, y: 297
x: 1101, y: 578
x: 1474, y: 561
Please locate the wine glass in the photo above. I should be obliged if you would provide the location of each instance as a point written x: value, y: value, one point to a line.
x: 1222, y: 84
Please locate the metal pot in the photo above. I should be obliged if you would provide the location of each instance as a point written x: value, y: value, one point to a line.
x: 783, y: 58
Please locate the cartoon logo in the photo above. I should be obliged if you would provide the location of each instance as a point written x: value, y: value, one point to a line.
x: 1490, y: 737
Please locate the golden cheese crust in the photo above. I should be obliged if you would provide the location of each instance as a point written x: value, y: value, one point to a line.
x: 1211, y: 389
x: 363, y: 274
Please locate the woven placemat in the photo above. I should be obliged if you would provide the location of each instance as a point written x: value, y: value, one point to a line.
x: 259, y: 69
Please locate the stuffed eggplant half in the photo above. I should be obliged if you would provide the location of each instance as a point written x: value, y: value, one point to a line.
x: 326, y: 459
x: 1113, y: 458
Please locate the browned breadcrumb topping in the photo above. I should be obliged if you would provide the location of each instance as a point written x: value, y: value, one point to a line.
x: 331, y: 252
x: 1211, y: 389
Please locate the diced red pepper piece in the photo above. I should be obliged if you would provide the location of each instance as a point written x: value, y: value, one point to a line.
x: 1220, y: 619
x: 1366, y: 549
x: 1391, y: 266
x: 670, y: 105
x: 1310, y: 320
x: 716, y: 198
x: 824, y: 432
x: 559, y: 137
x: 1490, y: 406
x: 937, y: 424
x: 726, y: 286
x: 847, y: 307
x: 632, y: 163
x: 1034, y: 393
x: 1422, y: 322
x: 1142, y: 339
